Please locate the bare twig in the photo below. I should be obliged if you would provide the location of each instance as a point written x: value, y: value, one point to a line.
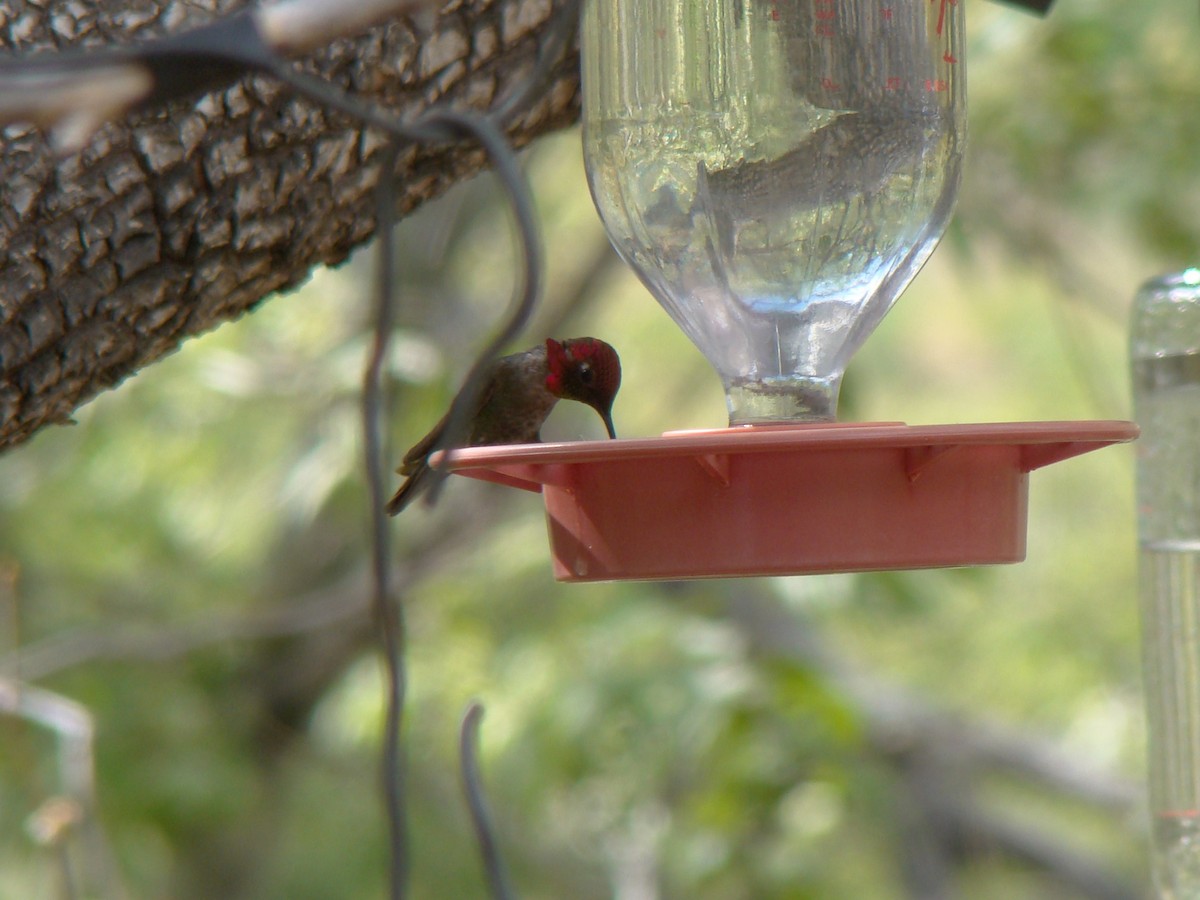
x: 68, y: 103
x: 70, y: 721
x: 292, y: 27
x: 73, y: 93
x: 74, y: 808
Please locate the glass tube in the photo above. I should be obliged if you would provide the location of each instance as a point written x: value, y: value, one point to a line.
x: 1165, y: 358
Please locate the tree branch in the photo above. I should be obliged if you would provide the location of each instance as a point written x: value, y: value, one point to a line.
x: 181, y: 218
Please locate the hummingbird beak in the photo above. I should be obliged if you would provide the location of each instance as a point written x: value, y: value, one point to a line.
x: 606, y: 415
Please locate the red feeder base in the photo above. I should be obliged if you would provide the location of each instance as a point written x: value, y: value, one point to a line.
x: 787, y: 500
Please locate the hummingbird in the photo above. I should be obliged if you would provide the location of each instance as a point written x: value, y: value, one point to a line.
x: 517, y: 397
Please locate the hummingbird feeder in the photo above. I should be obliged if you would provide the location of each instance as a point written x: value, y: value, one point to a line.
x: 776, y: 172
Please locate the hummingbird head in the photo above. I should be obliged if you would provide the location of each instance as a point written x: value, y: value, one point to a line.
x: 587, y: 370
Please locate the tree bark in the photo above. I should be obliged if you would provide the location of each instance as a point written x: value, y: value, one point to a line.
x: 178, y: 219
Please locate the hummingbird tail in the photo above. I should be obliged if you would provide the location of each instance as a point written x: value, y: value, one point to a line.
x: 409, y: 490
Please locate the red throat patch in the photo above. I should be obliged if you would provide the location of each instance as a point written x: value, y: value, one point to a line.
x: 556, y: 363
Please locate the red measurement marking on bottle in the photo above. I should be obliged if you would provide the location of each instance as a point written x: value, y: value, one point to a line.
x: 774, y: 15
x: 830, y: 85
x: 941, y: 25
x: 825, y: 14
x: 894, y: 83
x: 886, y: 12
x: 936, y: 85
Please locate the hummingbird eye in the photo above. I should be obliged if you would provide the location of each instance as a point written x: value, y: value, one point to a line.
x: 585, y: 373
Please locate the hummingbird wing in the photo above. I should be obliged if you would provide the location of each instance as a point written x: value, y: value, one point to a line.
x: 416, y: 466
x: 418, y: 453
x: 409, y: 490
x: 416, y: 461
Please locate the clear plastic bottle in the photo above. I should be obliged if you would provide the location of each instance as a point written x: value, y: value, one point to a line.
x: 1165, y: 359
x: 776, y: 171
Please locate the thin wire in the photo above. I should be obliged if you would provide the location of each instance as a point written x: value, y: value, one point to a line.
x: 559, y: 32
x: 444, y: 125
x: 437, y: 125
x: 529, y: 285
x: 389, y: 614
x: 493, y: 866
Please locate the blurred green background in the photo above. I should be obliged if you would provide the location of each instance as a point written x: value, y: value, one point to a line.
x: 189, y: 564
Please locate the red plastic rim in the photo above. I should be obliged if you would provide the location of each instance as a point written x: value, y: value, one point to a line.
x: 776, y: 500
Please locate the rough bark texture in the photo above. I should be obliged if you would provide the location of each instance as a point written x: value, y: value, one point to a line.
x: 182, y: 218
